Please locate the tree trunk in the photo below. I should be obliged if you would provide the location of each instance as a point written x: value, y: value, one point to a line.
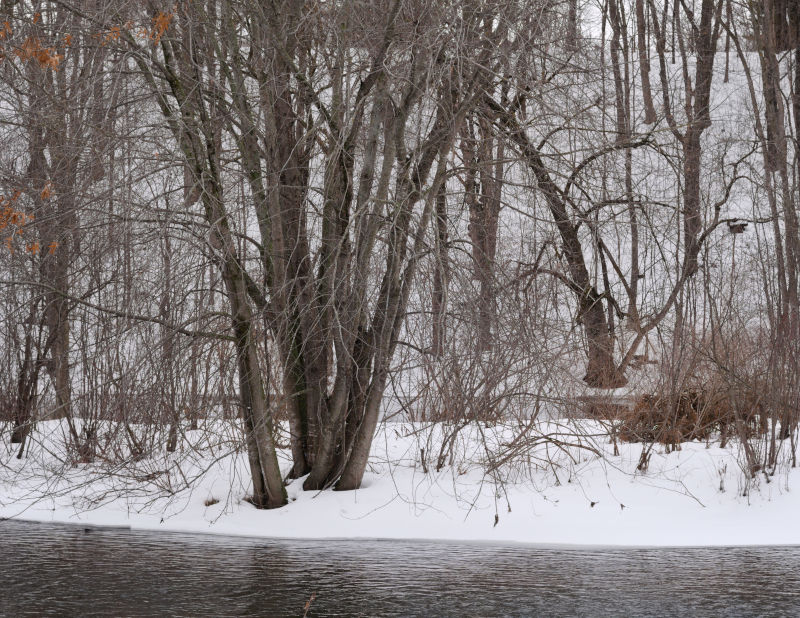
x: 644, y: 63
x: 601, y: 370
x: 441, y: 276
x: 27, y: 384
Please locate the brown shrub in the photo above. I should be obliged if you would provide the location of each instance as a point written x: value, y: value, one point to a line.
x: 692, y: 414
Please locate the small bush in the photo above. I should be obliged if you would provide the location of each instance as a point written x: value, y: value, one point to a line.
x: 692, y: 414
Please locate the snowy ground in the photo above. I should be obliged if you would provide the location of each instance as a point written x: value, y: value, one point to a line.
x: 695, y: 496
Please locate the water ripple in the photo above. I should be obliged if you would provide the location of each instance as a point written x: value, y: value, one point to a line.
x: 58, y: 570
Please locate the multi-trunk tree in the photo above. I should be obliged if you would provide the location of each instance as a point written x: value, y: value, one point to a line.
x: 264, y: 185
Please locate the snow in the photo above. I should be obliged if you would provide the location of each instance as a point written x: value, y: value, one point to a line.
x: 697, y: 496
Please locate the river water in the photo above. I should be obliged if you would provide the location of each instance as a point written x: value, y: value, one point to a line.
x: 71, y: 571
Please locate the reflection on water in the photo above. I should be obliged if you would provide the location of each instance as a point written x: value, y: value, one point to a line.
x: 59, y: 570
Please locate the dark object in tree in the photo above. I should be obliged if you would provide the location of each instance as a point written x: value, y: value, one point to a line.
x: 737, y: 227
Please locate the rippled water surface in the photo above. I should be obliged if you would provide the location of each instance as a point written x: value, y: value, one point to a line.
x: 55, y: 570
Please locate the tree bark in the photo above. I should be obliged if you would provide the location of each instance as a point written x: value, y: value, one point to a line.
x: 601, y: 370
x: 644, y: 63
x: 441, y: 275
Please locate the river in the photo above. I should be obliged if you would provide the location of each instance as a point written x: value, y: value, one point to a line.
x: 50, y: 570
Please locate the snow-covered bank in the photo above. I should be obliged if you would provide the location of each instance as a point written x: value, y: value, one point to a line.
x: 691, y: 497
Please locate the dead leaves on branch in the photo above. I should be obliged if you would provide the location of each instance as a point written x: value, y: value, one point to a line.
x: 161, y: 23
x: 32, y: 48
x: 13, y: 222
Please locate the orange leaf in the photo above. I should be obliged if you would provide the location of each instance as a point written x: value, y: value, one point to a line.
x: 51, y: 248
x: 160, y: 24
x: 48, y: 58
x: 32, y: 48
x: 47, y: 191
x: 28, y: 49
